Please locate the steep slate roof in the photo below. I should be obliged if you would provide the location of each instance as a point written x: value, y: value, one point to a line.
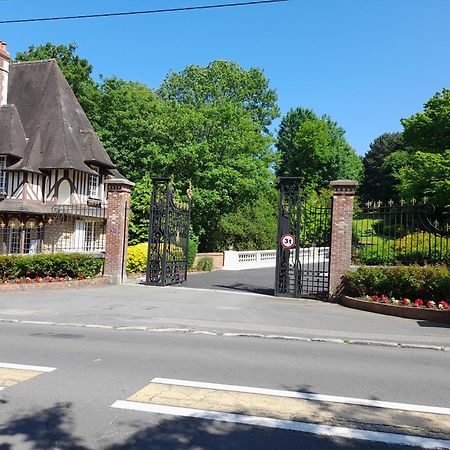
x: 59, y: 134
x: 13, y: 140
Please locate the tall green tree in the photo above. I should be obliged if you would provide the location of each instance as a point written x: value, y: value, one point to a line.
x: 428, y: 175
x: 220, y: 80
x: 77, y: 71
x: 218, y: 143
x: 129, y: 125
x: 315, y: 149
x: 386, y: 155
x: 429, y: 130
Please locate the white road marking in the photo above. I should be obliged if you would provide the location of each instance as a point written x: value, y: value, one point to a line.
x: 307, y: 396
x: 26, y: 367
x: 323, y: 430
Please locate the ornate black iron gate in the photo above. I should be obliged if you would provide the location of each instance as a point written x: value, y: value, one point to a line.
x: 303, y: 244
x: 167, y: 260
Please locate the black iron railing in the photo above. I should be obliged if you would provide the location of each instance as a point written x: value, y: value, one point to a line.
x: 402, y: 233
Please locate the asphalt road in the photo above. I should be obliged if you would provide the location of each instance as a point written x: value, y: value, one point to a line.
x: 258, y: 281
x: 70, y: 408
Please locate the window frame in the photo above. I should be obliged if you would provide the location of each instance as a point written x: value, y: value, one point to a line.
x: 3, y: 174
x: 94, y: 184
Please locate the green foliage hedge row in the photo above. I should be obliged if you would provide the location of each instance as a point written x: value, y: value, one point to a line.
x: 420, y: 248
x: 413, y: 282
x: 137, y: 256
x: 55, y: 265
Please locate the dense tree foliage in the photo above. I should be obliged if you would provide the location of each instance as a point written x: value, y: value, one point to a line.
x: 314, y: 148
x: 429, y: 131
x: 223, y: 80
x: 427, y: 175
x: 386, y: 155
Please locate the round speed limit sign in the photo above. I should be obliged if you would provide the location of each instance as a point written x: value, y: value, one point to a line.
x: 287, y: 241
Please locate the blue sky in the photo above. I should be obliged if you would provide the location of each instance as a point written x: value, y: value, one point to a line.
x: 366, y: 63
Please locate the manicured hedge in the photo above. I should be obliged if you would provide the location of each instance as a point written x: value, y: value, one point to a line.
x: 137, y: 256
x: 73, y: 265
x: 413, y: 282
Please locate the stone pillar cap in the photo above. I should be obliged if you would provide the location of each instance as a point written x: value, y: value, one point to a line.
x: 122, y: 181
x: 344, y: 183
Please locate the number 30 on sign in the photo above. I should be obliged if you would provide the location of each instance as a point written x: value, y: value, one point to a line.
x: 287, y: 241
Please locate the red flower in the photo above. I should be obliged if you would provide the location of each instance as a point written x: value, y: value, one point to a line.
x: 5, y: 280
x: 38, y: 279
x: 418, y: 302
x: 60, y: 279
x: 375, y: 298
x: 431, y: 304
x: 18, y: 280
x: 384, y: 299
x: 28, y: 280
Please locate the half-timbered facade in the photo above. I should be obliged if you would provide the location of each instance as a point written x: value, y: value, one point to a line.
x: 52, y: 166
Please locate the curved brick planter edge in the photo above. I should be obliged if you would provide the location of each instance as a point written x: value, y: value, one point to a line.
x: 54, y: 285
x: 408, y: 312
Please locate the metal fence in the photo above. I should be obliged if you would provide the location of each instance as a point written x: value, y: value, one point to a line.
x: 71, y: 228
x: 403, y: 233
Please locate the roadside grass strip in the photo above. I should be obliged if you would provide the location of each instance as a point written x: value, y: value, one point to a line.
x: 11, y: 374
x: 370, y: 420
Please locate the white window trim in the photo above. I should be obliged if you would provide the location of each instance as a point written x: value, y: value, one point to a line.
x: 3, y: 174
x: 93, y: 185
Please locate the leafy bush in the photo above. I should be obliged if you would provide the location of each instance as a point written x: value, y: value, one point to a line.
x: 70, y: 265
x: 423, y: 247
x: 137, y: 258
x: 427, y: 282
x: 192, y: 252
x: 205, y: 264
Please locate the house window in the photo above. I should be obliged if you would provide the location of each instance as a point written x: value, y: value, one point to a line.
x: 93, y: 185
x: 88, y: 236
x: 3, y: 174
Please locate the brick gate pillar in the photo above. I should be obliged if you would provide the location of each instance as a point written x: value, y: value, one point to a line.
x: 341, y: 232
x: 117, y: 218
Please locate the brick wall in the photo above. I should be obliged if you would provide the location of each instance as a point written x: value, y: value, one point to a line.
x: 117, y: 219
x: 216, y: 257
x: 341, y: 232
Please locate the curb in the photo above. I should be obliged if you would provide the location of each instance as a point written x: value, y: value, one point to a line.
x: 99, y: 281
x: 344, y: 341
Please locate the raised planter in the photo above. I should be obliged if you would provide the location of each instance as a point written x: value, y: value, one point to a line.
x: 408, y: 312
x: 12, y: 286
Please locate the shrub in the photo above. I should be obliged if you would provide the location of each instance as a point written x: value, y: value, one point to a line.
x: 137, y: 258
x: 423, y: 247
x: 205, y: 264
x: 192, y: 252
x: 55, y: 265
x: 430, y: 283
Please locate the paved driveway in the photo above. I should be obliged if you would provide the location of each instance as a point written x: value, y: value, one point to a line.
x: 258, y: 281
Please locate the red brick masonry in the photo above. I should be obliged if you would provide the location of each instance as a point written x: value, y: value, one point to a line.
x: 341, y: 232
x: 118, y: 209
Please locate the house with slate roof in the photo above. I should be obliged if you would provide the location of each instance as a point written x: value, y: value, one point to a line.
x: 53, y: 167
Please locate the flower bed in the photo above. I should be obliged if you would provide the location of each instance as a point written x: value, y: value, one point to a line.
x: 417, y: 309
x: 49, y: 283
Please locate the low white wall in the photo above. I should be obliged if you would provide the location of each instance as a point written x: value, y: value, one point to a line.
x: 256, y: 259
